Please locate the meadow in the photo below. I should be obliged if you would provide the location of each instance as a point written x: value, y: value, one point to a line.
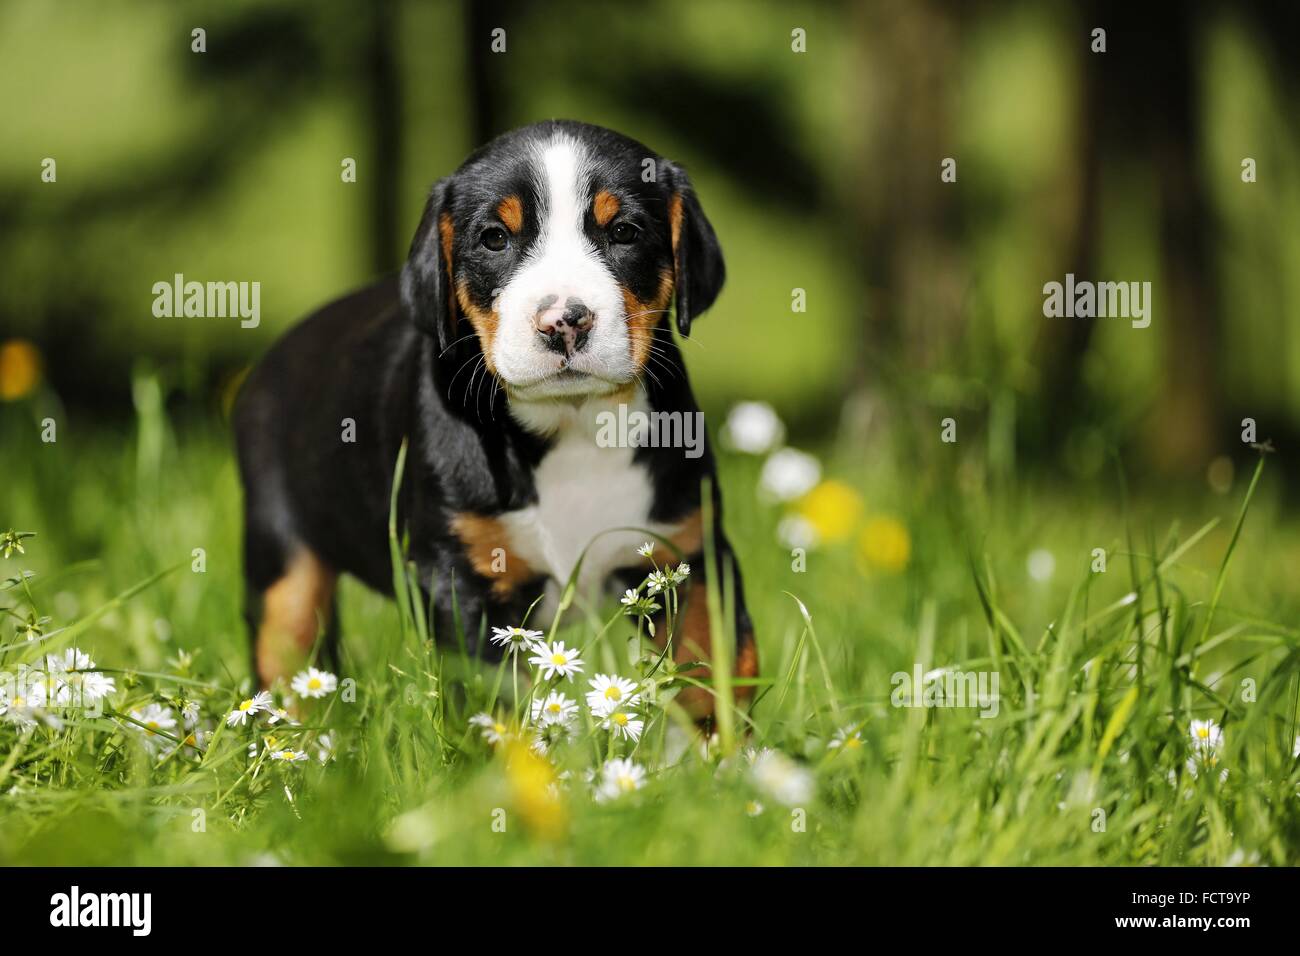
x: 1145, y: 712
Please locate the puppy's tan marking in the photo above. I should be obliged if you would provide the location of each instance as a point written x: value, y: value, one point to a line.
x: 482, y: 536
x: 688, y: 538
x: 694, y: 642
x: 643, y: 316
x: 511, y: 213
x: 294, y: 611
x: 485, y: 323
x: 446, y: 235
x: 605, y: 207
x: 675, y: 219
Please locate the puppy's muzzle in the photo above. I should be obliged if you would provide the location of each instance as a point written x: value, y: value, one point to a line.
x: 563, y: 328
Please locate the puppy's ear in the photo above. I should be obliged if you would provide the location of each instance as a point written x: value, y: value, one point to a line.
x: 697, y: 256
x: 427, y: 292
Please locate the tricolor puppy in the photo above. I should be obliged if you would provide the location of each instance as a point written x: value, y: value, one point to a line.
x: 534, y: 303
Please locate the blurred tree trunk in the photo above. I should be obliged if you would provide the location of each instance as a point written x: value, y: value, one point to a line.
x: 905, y: 222
x: 384, y: 90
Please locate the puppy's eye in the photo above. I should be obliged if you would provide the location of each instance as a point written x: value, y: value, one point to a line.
x: 494, y: 238
x: 623, y: 233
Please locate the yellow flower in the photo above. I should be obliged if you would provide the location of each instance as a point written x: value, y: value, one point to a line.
x: 833, y: 510
x: 534, y: 792
x: 885, y: 544
x: 20, y: 369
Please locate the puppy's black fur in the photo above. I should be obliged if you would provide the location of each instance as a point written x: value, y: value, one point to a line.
x: 397, y: 360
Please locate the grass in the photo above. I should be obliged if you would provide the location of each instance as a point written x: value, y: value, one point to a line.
x: 1088, y: 761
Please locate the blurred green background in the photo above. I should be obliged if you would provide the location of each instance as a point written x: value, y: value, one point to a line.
x: 820, y: 171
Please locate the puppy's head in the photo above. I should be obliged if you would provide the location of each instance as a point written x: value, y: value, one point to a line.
x: 557, y: 250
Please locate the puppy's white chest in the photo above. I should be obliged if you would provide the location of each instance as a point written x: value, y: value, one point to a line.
x: 584, y: 493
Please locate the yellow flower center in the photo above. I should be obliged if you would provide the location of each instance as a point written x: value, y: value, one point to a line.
x: 245, y: 705
x: 558, y: 660
x: 553, y: 708
x: 613, y: 693
x: 1203, y: 731
x: 620, y: 719
x: 313, y: 683
x: 152, y: 725
x: 853, y: 742
x: 499, y: 728
x: 627, y: 782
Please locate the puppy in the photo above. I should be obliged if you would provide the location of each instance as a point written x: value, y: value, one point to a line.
x: 533, y: 305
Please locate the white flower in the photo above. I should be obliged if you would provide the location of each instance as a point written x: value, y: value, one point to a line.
x: 20, y: 708
x: 1041, y: 564
x: 325, y: 748
x: 548, y: 735
x: 847, y: 738
x: 555, y: 709
x: 646, y: 550
x: 190, y: 712
x: 677, y: 575
x: 789, y: 474
x: 291, y: 756
x: 796, y: 531
x: 753, y: 808
x: 494, y: 731
x: 609, y: 692
x: 618, y: 777
x: 154, y: 717
x: 314, y: 683
x: 1207, y: 737
x: 74, y: 681
x: 622, y: 724
x: 556, y: 659
x: 657, y: 581
x: 249, y: 707
x: 515, y: 638
x: 753, y: 428
x: 1295, y: 747
x: 277, y: 714
x: 630, y: 597
x: 781, y: 778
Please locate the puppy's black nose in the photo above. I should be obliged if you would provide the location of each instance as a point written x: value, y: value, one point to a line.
x: 564, y: 328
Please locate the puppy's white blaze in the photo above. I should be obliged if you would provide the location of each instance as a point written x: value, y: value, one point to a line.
x: 563, y: 263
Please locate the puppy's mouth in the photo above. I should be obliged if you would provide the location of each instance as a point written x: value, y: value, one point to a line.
x: 567, y: 381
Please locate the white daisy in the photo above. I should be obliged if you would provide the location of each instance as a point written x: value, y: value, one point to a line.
x: 1207, y: 737
x: 277, y: 714
x: 547, y: 736
x: 249, y: 708
x: 789, y: 474
x: 608, y: 692
x: 555, y: 709
x: 314, y: 683
x: 622, y: 724
x: 657, y: 581
x: 847, y: 738
x: 20, y: 708
x: 494, y: 731
x: 781, y: 778
x: 154, y: 717
x: 556, y: 659
x: 288, y: 755
x: 753, y: 428
x: 618, y: 777
x: 515, y: 638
